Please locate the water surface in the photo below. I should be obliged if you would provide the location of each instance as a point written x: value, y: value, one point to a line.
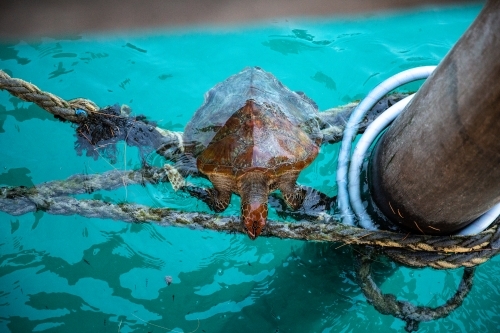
x: 75, y: 274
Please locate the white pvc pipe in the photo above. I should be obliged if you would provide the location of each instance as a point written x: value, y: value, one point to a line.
x: 352, y: 127
x: 358, y: 156
x: 482, y: 222
x: 371, y: 133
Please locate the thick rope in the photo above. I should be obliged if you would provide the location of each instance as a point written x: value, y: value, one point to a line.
x: 441, y: 252
x: 52, y: 103
x: 333, y: 120
x: 411, y: 314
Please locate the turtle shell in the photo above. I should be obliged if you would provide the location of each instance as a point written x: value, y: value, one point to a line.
x: 250, y: 121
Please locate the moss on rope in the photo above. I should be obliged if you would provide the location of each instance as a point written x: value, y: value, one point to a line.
x: 441, y: 252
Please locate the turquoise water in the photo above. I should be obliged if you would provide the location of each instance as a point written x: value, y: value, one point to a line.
x: 75, y: 274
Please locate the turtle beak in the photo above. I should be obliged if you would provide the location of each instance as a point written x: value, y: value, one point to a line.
x: 250, y: 234
x: 254, y: 218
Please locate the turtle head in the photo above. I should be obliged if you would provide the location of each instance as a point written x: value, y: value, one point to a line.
x: 254, y: 217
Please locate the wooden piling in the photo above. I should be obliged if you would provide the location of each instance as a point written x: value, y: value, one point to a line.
x: 437, y: 168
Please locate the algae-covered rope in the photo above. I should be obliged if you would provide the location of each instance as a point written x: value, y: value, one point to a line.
x: 78, y: 184
x: 320, y: 230
x: 441, y: 252
x: 89, y: 116
x: 84, y: 183
x: 411, y: 314
x: 26, y: 91
x: 333, y: 120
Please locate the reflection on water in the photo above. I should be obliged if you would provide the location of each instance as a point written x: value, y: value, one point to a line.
x: 71, y: 274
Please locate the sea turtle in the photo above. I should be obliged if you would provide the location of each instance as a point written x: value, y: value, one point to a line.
x: 252, y: 136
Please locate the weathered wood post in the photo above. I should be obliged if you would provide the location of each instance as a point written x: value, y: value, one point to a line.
x: 437, y: 168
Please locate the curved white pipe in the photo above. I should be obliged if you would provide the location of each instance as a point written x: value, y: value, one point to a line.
x: 481, y: 223
x: 352, y: 126
x: 358, y: 156
x: 371, y: 133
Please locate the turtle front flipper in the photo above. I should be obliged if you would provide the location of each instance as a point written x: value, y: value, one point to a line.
x: 215, y: 199
x: 294, y: 197
x: 293, y: 194
x: 218, y: 197
x: 314, y: 205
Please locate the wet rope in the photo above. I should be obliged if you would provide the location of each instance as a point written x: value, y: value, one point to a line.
x: 86, y: 113
x: 440, y: 252
x: 411, y: 314
x: 77, y: 110
x: 26, y: 91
